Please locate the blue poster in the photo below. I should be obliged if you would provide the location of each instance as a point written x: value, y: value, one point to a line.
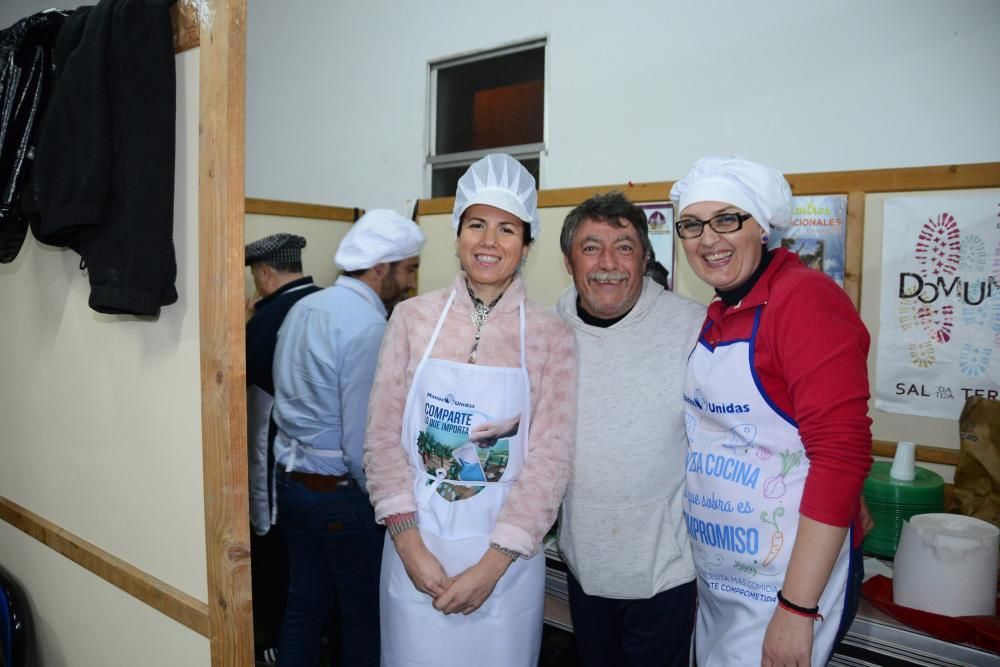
x: 816, y: 233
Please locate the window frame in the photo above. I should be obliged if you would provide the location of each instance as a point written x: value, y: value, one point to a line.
x: 532, y: 151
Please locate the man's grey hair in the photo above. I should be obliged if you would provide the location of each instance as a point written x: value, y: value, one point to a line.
x: 612, y: 208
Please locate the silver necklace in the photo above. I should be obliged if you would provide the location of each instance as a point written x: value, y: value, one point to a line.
x: 478, y: 317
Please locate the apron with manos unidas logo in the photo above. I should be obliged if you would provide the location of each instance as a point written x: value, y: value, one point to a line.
x: 457, y: 511
x: 746, y: 470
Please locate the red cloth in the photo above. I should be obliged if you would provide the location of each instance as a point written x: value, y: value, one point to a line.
x: 981, y: 631
x: 810, y: 357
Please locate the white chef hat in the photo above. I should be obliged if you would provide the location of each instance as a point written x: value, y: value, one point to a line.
x: 380, y: 235
x: 500, y: 181
x: 757, y: 189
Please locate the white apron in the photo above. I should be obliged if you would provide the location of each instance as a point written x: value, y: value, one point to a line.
x: 746, y: 469
x: 457, y: 511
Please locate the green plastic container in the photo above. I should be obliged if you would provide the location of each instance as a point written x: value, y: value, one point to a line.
x: 891, y: 502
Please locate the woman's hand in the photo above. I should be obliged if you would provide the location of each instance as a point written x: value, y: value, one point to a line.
x: 421, y: 565
x: 469, y: 590
x: 788, y: 640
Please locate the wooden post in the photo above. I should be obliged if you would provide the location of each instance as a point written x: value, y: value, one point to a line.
x: 853, y: 246
x: 223, y: 356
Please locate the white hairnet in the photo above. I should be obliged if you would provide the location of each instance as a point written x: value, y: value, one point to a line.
x: 380, y: 235
x: 757, y: 189
x: 500, y: 181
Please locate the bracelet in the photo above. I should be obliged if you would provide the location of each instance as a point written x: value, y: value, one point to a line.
x: 509, y: 553
x: 395, y: 527
x: 808, y: 612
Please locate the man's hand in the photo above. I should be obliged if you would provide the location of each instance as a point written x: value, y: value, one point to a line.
x: 469, y: 590
x: 422, y: 567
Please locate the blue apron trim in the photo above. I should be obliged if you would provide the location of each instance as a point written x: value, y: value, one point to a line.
x: 756, y: 378
x: 852, y: 591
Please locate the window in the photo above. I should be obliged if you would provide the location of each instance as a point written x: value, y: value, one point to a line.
x: 483, y: 103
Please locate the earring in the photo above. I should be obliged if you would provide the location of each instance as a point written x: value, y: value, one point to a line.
x: 524, y: 260
x: 763, y: 239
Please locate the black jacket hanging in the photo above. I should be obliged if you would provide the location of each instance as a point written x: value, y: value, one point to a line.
x: 25, y: 79
x: 103, y: 179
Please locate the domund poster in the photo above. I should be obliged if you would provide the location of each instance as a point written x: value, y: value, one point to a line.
x: 939, y: 335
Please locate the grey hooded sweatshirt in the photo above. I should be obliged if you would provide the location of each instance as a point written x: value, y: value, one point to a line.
x: 621, y: 526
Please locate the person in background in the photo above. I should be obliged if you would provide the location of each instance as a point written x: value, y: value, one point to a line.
x: 656, y: 271
x: 276, y: 267
x: 621, y: 530
x: 469, y: 442
x: 323, y: 369
x: 776, y: 396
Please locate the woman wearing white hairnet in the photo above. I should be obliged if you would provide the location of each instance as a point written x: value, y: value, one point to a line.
x: 469, y: 441
x: 776, y: 396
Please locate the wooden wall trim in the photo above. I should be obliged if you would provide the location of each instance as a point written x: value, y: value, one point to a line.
x: 922, y: 453
x: 907, y: 179
x: 293, y: 209
x: 184, y: 19
x: 854, y: 246
x: 158, y: 594
x: 221, y: 200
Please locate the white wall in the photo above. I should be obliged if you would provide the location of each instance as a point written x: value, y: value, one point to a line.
x: 337, y: 91
x: 101, y: 435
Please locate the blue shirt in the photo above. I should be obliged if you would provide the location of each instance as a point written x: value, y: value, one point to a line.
x: 324, y: 366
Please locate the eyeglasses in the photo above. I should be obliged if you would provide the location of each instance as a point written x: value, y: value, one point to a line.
x: 724, y: 223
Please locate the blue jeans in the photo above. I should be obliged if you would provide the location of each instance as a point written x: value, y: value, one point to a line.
x: 335, y: 552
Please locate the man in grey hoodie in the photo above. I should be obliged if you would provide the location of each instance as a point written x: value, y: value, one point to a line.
x: 621, y: 528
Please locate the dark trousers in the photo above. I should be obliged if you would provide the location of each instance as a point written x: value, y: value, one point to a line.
x: 334, y: 554
x: 269, y: 579
x: 648, y: 633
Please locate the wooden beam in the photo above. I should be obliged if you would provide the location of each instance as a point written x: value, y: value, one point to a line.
x: 223, y: 356
x: 637, y: 192
x: 922, y: 453
x: 184, y: 19
x: 159, y: 595
x: 293, y: 209
x: 908, y: 179
x: 854, y: 246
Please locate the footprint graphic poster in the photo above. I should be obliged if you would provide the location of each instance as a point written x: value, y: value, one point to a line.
x: 939, y: 318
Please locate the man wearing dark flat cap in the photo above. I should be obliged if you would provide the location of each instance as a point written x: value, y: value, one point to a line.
x: 276, y: 267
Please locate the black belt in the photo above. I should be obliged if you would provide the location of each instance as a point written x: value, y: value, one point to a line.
x: 315, y: 482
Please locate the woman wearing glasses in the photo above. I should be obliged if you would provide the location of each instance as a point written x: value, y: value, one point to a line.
x: 779, y: 436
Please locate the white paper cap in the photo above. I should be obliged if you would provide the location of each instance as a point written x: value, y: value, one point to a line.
x: 500, y: 181
x: 380, y: 235
x: 759, y: 190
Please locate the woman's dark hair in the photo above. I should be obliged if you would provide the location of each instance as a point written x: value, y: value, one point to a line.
x: 525, y: 229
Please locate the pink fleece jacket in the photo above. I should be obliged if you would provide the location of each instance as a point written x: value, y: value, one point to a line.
x: 533, y: 503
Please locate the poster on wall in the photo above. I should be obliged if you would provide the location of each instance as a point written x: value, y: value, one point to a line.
x: 661, y: 234
x: 939, y: 336
x: 816, y: 233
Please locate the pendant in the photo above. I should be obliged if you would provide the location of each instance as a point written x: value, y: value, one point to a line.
x: 478, y: 315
